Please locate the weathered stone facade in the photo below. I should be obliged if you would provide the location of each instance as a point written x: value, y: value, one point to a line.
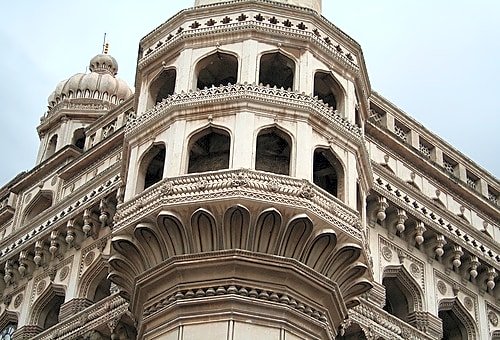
x: 253, y: 186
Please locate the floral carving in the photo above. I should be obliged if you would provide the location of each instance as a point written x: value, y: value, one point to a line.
x: 89, y: 258
x: 18, y: 300
x: 441, y: 286
x: 387, y: 253
x: 492, y: 316
x: 40, y: 287
x: 63, y: 274
x: 468, y: 303
x: 414, y: 269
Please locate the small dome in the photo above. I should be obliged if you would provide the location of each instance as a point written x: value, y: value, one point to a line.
x: 100, y: 84
x: 103, y: 63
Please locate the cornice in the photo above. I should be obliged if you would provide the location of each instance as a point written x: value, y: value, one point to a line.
x: 242, y: 183
x: 64, y: 211
x: 442, y: 222
x: 246, y: 92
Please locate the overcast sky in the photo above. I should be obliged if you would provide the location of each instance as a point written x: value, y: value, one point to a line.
x: 439, y: 61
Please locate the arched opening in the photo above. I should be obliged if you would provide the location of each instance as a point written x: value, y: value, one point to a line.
x: 396, y: 298
x: 453, y: 329
x: 51, y: 147
x: 101, y: 290
x: 79, y: 138
x: 49, y: 315
x: 209, y: 151
x: 151, y: 168
x: 276, y: 69
x: 327, y: 172
x: 457, y: 323
x: 217, y: 69
x: 273, y: 151
x: 327, y: 89
x: 41, y: 202
x: 8, y: 324
x: 354, y: 332
x: 162, y: 87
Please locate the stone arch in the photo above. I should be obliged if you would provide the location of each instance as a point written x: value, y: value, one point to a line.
x: 78, y: 139
x: 236, y: 227
x: 273, y: 150
x: 162, y: 86
x: 297, y: 232
x: 329, y: 172
x: 42, y: 201
x: 8, y: 323
x: 94, y: 281
x: 151, y: 167
x: 277, y: 69
x: 328, y: 89
x: 215, y: 69
x: 204, y: 231
x: 151, y: 244
x: 51, y: 146
x: 457, y: 322
x: 173, y: 234
x: 45, y: 311
x: 353, y: 332
x: 403, y: 294
x: 209, y: 150
x: 266, y: 231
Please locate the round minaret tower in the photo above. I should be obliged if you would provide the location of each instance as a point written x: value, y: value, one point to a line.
x: 244, y: 176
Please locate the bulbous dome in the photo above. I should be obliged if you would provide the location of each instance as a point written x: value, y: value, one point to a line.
x: 100, y: 84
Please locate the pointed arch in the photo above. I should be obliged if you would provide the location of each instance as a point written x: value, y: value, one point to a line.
x: 276, y: 69
x: 209, y: 150
x: 173, y: 233
x: 94, y: 284
x: 78, y: 139
x: 236, y: 227
x: 8, y: 322
x: 403, y: 294
x: 51, y: 146
x: 457, y: 322
x: 295, y: 237
x: 204, y: 231
x: 328, y: 89
x: 328, y: 172
x: 266, y: 233
x: 151, y: 167
x: 217, y: 68
x: 162, y: 86
x: 42, y: 201
x: 45, y: 311
x: 344, y: 256
x: 147, y: 238
x: 273, y: 151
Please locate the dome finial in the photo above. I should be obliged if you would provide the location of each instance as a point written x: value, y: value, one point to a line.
x: 105, y: 45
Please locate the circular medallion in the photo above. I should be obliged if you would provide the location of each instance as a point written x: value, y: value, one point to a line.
x: 18, y: 300
x: 89, y: 258
x: 40, y: 287
x: 468, y: 303
x: 415, y: 270
x: 387, y: 253
x: 63, y: 274
x: 441, y: 286
x: 492, y: 316
x: 28, y: 197
x: 53, y: 181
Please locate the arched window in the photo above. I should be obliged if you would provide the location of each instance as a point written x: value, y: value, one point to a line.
x: 273, y: 151
x: 51, y: 147
x: 327, y: 172
x: 327, y: 89
x: 151, y: 168
x: 50, y: 314
x: 209, y: 151
x: 276, y: 69
x: 457, y: 322
x: 396, y: 302
x: 217, y: 69
x: 41, y: 202
x: 353, y: 332
x: 79, y: 138
x: 101, y: 290
x: 162, y: 87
